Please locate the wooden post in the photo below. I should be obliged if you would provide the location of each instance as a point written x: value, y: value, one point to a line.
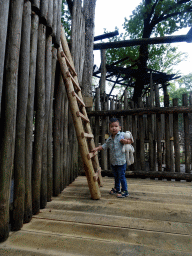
x: 141, y: 137
x: 134, y: 133
x: 65, y: 140
x: 56, y: 135
x: 167, y: 135
x: 150, y: 130
x: 23, y: 82
x: 58, y: 27
x: 103, y: 133
x: 61, y: 141
x: 186, y: 134
x: 43, y: 11
x: 8, y: 117
x: 30, y: 118
x: 158, y: 130
x: 39, y: 120
x: 50, y: 131
x: 176, y: 137
x: 48, y: 81
x: 4, y: 12
x: 97, y: 118
x: 54, y: 25
x: 103, y: 72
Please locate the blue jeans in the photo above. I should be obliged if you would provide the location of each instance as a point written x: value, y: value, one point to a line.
x: 119, y: 175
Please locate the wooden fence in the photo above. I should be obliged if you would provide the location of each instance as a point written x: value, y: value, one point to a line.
x: 160, y: 151
x: 37, y: 157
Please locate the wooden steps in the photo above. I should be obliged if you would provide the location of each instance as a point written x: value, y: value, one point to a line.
x: 156, y: 219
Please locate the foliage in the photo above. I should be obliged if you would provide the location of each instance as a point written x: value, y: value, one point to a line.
x: 184, y: 85
x: 66, y: 18
x: 153, y: 18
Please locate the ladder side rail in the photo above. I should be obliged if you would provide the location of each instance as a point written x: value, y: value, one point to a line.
x: 89, y: 170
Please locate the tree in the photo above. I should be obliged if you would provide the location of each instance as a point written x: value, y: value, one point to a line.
x: 152, y: 18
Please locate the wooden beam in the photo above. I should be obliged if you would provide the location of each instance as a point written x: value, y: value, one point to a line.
x: 141, y: 111
x: 155, y: 40
x: 107, y: 35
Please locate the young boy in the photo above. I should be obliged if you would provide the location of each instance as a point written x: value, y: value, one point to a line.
x: 118, y: 160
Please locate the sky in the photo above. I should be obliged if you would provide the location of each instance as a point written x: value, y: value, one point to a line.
x: 110, y: 14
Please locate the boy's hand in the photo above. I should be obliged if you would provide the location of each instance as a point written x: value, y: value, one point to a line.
x: 126, y: 141
x: 96, y: 149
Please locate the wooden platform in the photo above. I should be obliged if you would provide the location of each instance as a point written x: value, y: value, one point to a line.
x: 156, y: 219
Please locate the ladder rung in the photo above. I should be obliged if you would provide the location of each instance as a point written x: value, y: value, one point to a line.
x: 68, y: 63
x: 90, y: 155
x: 78, y: 88
x: 87, y: 135
x: 78, y: 99
x: 96, y: 175
x: 79, y: 114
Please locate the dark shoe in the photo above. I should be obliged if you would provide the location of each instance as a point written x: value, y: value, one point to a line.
x: 123, y: 194
x: 113, y: 191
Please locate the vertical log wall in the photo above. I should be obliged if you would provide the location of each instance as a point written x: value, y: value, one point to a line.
x: 38, y: 156
x: 160, y: 151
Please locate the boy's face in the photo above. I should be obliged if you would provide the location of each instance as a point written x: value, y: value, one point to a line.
x: 114, y: 128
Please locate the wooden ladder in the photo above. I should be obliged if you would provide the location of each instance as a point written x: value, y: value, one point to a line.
x: 80, y: 119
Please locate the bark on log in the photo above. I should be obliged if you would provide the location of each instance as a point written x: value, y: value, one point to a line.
x: 43, y: 11
x: 23, y: 83
x: 176, y: 138
x: 54, y: 26
x: 58, y: 28
x: 8, y: 123
x: 56, y: 135
x: 39, y: 120
x: 65, y: 140
x: 186, y: 134
x: 50, y: 133
x: 141, y: 138
x: 167, y: 135
x: 30, y: 118
x: 50, y: 17
x: 89, y: 12
x: 48, y: 80
x: 4, y: 12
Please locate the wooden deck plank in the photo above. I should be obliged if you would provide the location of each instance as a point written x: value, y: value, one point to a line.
x: 156, y: 219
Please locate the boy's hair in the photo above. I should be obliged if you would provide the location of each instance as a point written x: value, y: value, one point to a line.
x: 113, y: 120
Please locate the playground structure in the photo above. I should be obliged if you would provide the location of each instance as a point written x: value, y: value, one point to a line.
x: 39, y: 150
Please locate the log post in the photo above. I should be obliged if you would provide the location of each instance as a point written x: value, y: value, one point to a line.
x: 39, y: 120
x: 8, y: 116
x: 48, y: 81
x: 103, y: 72
x: 186, y: 134
x: 23, y: 82
x: 97, y: 118
x: 167, y: 135
x: 176, y: 137
x: 65, y: 140
x: 4, y: 12
x: 141, y: 137
x: 158, y: 130
x: 30, y: 118
x: 50, y: 133
x: 56, y: 135
x: 150, y: 131
x: 103, y: 133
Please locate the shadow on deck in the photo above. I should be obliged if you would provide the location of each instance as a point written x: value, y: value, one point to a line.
x: 156, y: 219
